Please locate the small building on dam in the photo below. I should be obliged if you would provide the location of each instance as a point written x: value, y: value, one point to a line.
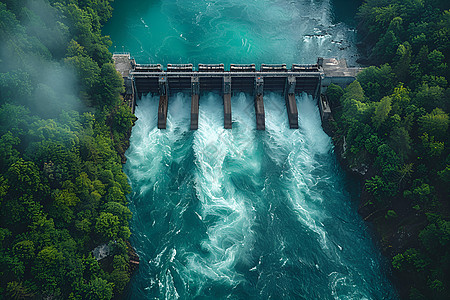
x: 142, y: 79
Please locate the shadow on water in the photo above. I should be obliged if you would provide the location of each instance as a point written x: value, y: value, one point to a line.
x: 345, y: 11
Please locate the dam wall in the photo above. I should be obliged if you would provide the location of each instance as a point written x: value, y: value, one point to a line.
x: 143, y: 79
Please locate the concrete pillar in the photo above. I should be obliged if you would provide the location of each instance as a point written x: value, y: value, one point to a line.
x: 227, y: 123
x: 162, y: 111
x: 195, y: 85
x: 259, y: 85
x: 163, y: 85
x: 292, y: 112
x: 290, y: 85
x: 163, y: 102
x: 318, y: 91
x: 259, y: 104
x: 291, y: 104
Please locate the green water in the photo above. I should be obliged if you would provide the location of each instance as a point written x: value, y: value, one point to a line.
x: 241, y: 213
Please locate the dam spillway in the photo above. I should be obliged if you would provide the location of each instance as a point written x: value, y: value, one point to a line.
x: 313, y: 79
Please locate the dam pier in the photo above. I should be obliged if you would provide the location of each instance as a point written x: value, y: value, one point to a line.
x: 142, y: 79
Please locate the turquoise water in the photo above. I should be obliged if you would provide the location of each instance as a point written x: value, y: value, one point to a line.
x: 241, y: 213
x: 231, y: 31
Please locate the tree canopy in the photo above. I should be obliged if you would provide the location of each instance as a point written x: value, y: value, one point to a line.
x: 63, y: 132
x: 395, y: 121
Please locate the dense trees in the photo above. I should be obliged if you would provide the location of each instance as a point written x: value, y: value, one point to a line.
x: 63, y: 129
x: 394, y: 120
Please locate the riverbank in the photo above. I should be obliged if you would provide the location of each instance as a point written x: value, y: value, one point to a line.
x: 387, y: 234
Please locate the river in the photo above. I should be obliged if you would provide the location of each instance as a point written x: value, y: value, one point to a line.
x: 241, y: 213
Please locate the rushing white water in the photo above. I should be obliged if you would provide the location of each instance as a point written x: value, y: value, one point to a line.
x: 245, y: 213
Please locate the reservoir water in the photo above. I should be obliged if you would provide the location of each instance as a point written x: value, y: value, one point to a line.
x: 241, y: 213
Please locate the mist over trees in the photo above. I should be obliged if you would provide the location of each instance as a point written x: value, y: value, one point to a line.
x: 394, y: 122
x: 63, y: 132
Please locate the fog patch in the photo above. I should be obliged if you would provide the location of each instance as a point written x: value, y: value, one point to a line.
x: 34, y: 47
x: 47, y: 27
x: 55, y: 93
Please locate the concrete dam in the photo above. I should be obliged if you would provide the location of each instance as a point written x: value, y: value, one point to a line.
x: 142, y: 79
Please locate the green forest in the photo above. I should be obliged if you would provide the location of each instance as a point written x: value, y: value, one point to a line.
x: 63, y: 132
x: 392, y: 125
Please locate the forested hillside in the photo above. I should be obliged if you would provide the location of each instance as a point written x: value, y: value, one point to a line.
x: 392, y: 126
x: 63, y: 130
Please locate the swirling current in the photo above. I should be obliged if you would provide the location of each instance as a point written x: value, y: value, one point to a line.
x: 241, y: 213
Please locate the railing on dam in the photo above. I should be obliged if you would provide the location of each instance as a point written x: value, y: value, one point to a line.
x: 142, y: 79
